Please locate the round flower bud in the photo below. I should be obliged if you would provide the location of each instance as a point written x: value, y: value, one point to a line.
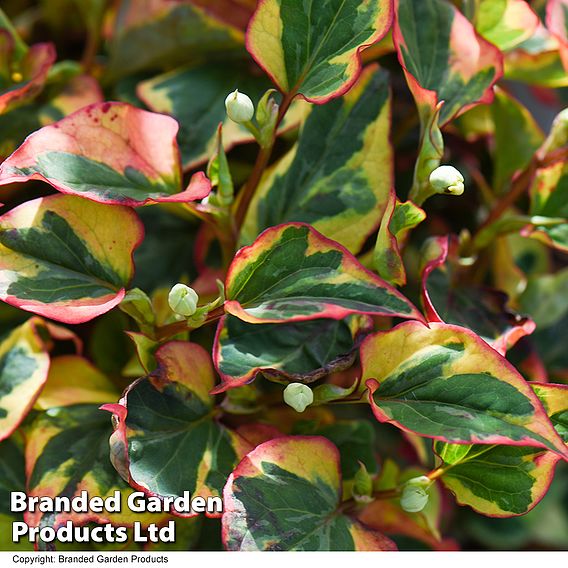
x: 183, y: 300
x: 414, y: 498
x: 298, y: 396
x: 239, y: 107
x: 448, y: 180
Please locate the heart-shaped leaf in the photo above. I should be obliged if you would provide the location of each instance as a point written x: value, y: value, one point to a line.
x: 313, y: 48
x: 260, y: 516
x: 443, y: 57
x: 503, y: 481
x: 67, y: 258
x: 107, y: 152
x: 446, y: 383
x: 167, y: 418
x: 339, y: 173
x: 293, y: 273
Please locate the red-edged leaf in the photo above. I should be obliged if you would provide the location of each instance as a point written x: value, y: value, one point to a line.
x: 67, y: 258
x: 443, y: 57
x: 286, y: 494
x: 313, y: 49
x: 108, y: 152
x: 22, y: 78
x: 293, y: 273
x: 446, y: 383
x: 168, y: 417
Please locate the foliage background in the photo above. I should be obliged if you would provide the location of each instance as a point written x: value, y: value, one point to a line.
x: 130, y: 52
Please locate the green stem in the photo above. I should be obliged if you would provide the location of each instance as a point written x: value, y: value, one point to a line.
x: 262, y: 161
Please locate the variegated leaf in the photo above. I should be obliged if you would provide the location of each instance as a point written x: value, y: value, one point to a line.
x: 293, y: 273
x: 67, y: 258
x: 446, y: 383
x: 107, y: 152
x: 167, y: 417
x: 259, y: 515
x: 313, y: 48
x: 339, y: 173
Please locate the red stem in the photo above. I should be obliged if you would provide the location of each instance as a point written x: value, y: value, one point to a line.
x: 171, y: 329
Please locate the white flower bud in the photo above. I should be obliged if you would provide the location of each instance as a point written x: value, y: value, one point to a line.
x: 414, y: 495
x: 448, y: 180
x: 413, y: 499
x: 298, y: 396
x: 239, y: 107
x: 183, y: 300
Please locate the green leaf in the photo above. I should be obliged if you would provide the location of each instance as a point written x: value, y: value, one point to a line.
x: 162, y: 34
x: 549, y: 199
x: 444, y: 56
x: 505, y: 23
x: 503, y: 481
x: 517, y: 138
x: 557, y: 23
x: 500, y: 481
x: 355, y: 440
x: 138, y: 306
x: 12, y: 478
x: 297, y: 352
x: 446, y: 298
x: 292, y: 273
x: 195, y: 97
x: 284, y: 495
x: 23, y: 70
x: 67, y: 451
x: 537, y: 61
x: 444, y: 382
x: 546, y: 300
x: 339, y: 173
x: 313, y: 49
x: 397, y: 222
x: 67, y: 258
x: 73, y: 156
x: 168, y: 418
x: 24, y: 364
